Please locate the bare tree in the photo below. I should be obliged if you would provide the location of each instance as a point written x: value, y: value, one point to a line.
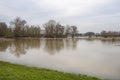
x: 49, y: 28
x: 59, y: 31
x: 74, y: 31
x: 3, y: 29
x: 35, y: 31
x: 18, y: 24
x: 54, y: 29
x: 68, y: 31
x: 23, y: 30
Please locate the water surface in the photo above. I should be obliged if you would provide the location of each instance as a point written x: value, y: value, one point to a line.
x: 92, y: 57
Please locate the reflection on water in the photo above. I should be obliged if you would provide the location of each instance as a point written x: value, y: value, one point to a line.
x: 53, y: 46
x: 92, y: 57
x: 4, y: 45
x: 115, y: 43
x: 20, y: 46
x: 71, y: 43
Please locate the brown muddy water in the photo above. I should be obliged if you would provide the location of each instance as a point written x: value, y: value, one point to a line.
x: 91, y: 57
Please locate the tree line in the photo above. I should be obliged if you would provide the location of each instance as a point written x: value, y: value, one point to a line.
x: 103, y: 33
x: 52, y: 29
x: 18, y: 28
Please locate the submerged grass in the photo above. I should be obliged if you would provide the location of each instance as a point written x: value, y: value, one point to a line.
x: 10, y: 71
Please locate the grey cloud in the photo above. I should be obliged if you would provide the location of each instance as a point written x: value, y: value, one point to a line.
x: 86, y: 17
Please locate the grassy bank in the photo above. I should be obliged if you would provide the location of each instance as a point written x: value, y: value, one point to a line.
x: 10, y: 71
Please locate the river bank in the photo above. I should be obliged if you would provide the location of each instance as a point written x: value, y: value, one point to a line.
x: 101, y: 38
x: 10, y: 71
x: 95, y: 38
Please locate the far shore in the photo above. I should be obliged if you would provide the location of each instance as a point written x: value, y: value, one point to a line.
x: 101, y: 38
x: 91, y: 38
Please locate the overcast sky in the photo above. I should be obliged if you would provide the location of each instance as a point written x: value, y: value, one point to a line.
x: 87, y: 15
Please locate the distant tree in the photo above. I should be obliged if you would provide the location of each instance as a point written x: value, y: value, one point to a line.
x: 59, y: 31
x: 54, y: 29
x: 74, y: 31
x: 3, y: 29
x: 97, y: 34
x: 89, y: 34
x: 104, y: 33
x: 109, y: 34
x: 19, y: 25
x: 9, y: 33
x: 50, y: 28
x: 35, y: 31
x: 68, y: 31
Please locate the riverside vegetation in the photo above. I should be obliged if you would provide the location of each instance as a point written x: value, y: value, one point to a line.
x: 10, y: 71
x: 18, y: 28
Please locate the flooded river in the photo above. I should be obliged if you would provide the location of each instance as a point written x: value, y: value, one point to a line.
x: 91, y: 57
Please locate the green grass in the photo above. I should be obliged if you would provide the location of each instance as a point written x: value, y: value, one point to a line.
x: 10, y: 71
